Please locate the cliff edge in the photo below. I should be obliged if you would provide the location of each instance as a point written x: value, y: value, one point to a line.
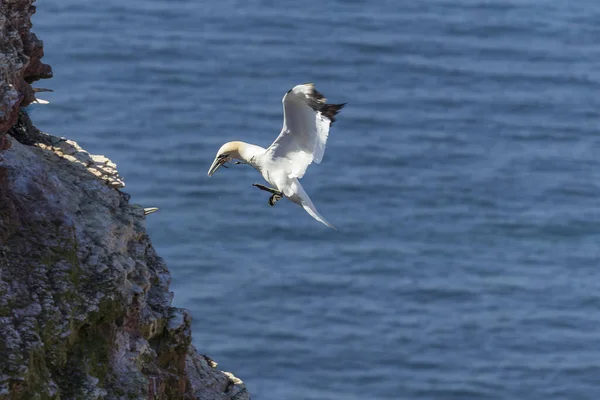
x: 85, y: 307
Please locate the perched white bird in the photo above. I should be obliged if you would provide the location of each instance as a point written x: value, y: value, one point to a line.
x: 41, y: 101
x: 306, y: 121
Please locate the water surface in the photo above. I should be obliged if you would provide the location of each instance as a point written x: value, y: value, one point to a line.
x: 463, y: 176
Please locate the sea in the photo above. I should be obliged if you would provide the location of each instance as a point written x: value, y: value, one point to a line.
x: 463, y: 176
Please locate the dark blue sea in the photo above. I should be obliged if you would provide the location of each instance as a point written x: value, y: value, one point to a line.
x: 463, y: 175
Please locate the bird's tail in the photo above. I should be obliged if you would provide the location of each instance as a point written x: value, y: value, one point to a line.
x: 310, y: 208
x: 298, y: 195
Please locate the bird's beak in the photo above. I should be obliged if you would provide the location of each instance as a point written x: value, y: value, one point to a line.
x: 215, y: 165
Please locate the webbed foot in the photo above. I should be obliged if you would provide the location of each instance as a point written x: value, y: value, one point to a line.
x: 274, y: 199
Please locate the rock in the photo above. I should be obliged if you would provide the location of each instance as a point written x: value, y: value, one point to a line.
x: 20, y: 61
x: 85, y: 307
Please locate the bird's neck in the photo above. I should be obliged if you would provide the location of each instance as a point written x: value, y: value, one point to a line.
x: 249, y: 153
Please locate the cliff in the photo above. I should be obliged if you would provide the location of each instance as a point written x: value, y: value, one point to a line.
x: 20, y: 60
x: 85, y: 307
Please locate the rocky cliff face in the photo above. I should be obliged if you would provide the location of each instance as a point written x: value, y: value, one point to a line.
x: 85, y: 307
x: 20, y: 60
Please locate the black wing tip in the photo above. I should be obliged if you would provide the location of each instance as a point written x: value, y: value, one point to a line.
x: 331, y: 110
x: 317, y: 103
x: 317, y: 95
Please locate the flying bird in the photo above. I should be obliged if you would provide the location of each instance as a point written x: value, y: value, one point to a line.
x: 306, y: 121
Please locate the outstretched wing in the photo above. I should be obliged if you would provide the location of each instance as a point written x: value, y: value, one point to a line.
x: 306, y: 122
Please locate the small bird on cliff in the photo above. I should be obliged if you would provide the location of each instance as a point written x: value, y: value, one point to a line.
x: 150, y: 210
x: 38, y: 90
x: 306, y: 122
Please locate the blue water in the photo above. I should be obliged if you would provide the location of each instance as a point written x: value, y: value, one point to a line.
x: 463, y: 176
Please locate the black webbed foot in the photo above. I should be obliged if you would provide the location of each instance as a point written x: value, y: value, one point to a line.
x: 274, y: 199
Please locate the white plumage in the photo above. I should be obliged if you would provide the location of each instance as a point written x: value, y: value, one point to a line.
x: 306, y: 122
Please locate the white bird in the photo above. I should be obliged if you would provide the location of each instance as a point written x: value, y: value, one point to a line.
x: 306, y: 122
x: 42, y: 101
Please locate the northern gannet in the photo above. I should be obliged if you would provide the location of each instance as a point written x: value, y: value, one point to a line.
x: 306, y: 121
x: 41, y: 101
x: 150, y: 210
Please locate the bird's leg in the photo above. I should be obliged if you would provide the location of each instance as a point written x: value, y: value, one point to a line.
x: 266, y: 188
x: 276, y: 194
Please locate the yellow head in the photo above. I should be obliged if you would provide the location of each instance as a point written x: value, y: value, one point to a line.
x: 226, y: 153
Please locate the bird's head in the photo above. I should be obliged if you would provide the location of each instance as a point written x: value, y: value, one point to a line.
x: 226, y: 153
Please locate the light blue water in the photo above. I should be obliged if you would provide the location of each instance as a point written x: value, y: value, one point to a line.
x: 463, y: 176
